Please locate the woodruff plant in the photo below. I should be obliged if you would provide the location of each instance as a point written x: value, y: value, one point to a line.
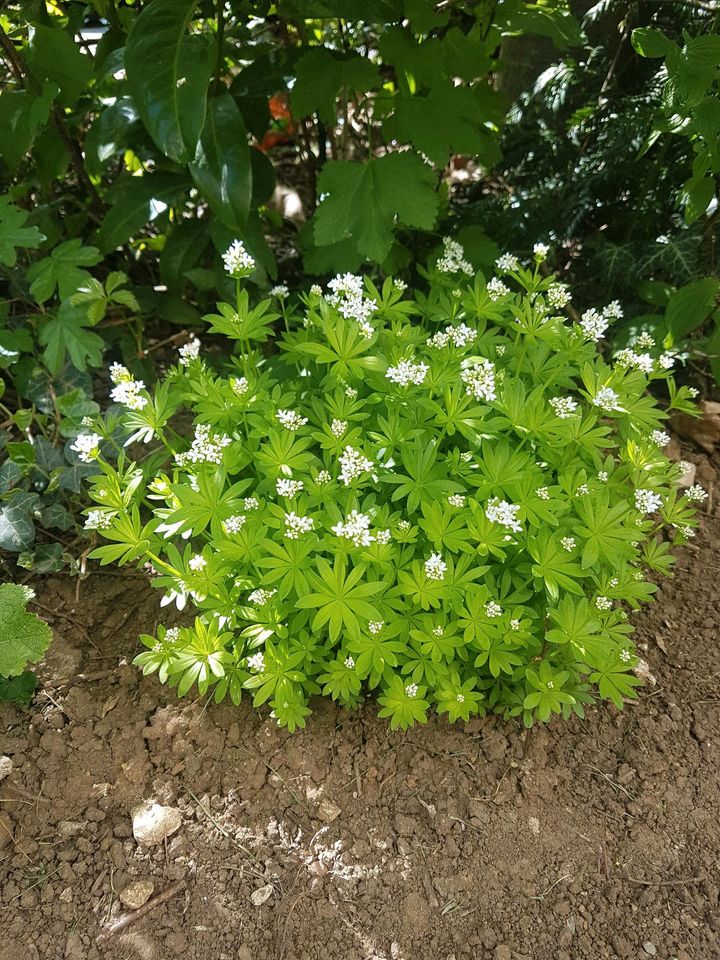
x: 448, y: 499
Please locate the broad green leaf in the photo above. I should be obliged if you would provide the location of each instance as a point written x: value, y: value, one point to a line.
x: 14, y: 233
x: 322, y: 75
x: 168, y: 73
x: 691, y: 306
x: 109, y: 134
x: 24, y: 638
x: 137, y: 201
x: 17, y: 530
x: 221, y: 169
x: 54, y: 55
x: 649, y: 42
x: 62, y: 271
x: 67, y: 333
x: 365, y: 201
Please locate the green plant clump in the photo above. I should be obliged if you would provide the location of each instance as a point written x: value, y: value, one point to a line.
x: 449, y: 500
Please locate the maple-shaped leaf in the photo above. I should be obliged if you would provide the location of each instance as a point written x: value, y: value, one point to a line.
x: 14, y: 233
x: 24, y: 638
x: 447, y: 120
x: 364, y: 201
x: 62, y: 270
x: 67, y: 333
x: 321, y: 75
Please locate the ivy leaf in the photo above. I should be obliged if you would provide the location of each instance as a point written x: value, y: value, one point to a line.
x: 168, y: 74
x: 17, y: 530
x: 364, y: 201
x: 24, y: 637
x: 67, y: 333
x: 321, y: 75
x: 62, y: 270
x: 14, y: 233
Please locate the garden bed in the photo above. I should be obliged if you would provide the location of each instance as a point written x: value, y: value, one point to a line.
x: 594, y: 839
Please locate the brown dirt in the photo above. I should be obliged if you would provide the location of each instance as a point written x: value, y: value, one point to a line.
x: 596, y: 840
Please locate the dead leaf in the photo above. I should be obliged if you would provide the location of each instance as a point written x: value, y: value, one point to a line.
x: 109, y: 705
x: 703, y: 430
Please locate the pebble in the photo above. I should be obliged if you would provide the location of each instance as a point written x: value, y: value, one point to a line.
x: 328, y: 811
x: 152, y: 823
x: 261, y: 895
x: 649, y: 948
x: 503, y: 952
x: 137, y: 894
x: 6, y: 767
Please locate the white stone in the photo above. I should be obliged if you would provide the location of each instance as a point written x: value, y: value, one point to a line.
x: 137, y: 894
x: 6, y: 767
x: 152, y: 823
x: 261, y: 895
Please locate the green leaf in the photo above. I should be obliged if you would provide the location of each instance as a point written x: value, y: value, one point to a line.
x: 18, y: 690
x: 168, y: 74
x: 137, y: 201
x: 24, y: 638
x: 54, y: 55
x: 67, y: 333
x: 221, y: 169
x: 321, y: 75
x: 447, y: 120
x: 17, y: 530
x: 109, y: 134
x: 691, y: 305
x: 364, y: 201
x: 649, y: 42
x: 22, y: 114
x: 14, y: 233
x: 62, y: 270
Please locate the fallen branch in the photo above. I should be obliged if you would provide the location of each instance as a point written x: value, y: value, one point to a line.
x: 129, y: 918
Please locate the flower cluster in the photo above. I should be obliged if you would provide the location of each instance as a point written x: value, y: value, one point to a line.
x: 237, y: 260
x: 479, y: 380
x: 355, y: 528
x: 206, y: 447
x: 406, y: 372
x: 453, y: 259
x: 127, y: 390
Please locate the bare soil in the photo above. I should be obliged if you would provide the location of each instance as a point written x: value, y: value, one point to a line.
x: 599, y: 839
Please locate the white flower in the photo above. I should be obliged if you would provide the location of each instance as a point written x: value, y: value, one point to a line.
x: 322, y: 478
x: 239, y: 385
x: 407, y: 372
x: 260, y: 596
x: 87, y: 446
x: 558, y: 296
x: 290, y: 420
x: 606, y: 399
x: 288, y: 488
x: 375, y: 626
x: 435, y: 567
x: 118, y: 372
x: 625, y: 656
x: 366, y: 329
x: 127, y: 392
x: 453, y: 258
x: 198, y: 562
x: 685, y: 530
x: 460, y: 336
x: 87, y: 421
x: 593, y: 325
x: 98, y: 520
x: 205, y: 448
x: 496, y: 289
x: 613, y: 311
x: 602, y: 476
x: 411, y: 690
x: 541, y: 250
x: 350, y: 663
x: 280, y: 291
x: 316, y: 290
x: 543, y: 493
x: 493, y: 609
x: 234, y: 524
x: 257, y: 662
x: 507, y: 263
x: 353, y: 463
x: 460, y: 698
x: 400, y: 285
x: 351, y: 392
x: 456, y: 500
x: 438, y: 631
x: 237, y: 260
x: 514, y: 624
x: 504, y: 513
x: 479, y: 380
x: 614, y: 582
x: 696, y: 494
x: 564, y: 407
x: 189, y: 351
x: 251, y: 503
x: 603, y: 603
x: 660, y: 438
x: 666, y: 361
x: 355, y: 528
x: 644, y: 340
x: 295, y: 525
x: 647, y: 501
x: 347, y: 296
x: 583, y: 490
x: 403, y: 526
x: 383, y: 536
x: 567, y: 543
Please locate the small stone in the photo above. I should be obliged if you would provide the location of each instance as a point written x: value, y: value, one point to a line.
x: 534, y: 825
x: 328, y: 811
x: 261, y: 895
x: 71, y: 828
x: 152, y: 823
x: 137, y: 894
x: 503, y: 952
x: 649, y: 948
x: 6, y: 767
